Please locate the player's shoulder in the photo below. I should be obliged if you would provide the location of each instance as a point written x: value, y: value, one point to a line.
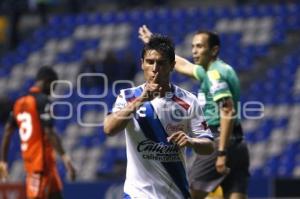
x: 220, y: 70
x: 24, y: 99
x: 223, y: 66
x: 184, y: 94
x: 41, y: 98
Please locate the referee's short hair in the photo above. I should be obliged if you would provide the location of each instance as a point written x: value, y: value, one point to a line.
x: 213, y: 38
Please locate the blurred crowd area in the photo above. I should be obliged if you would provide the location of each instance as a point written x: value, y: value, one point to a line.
x: 18, y: 18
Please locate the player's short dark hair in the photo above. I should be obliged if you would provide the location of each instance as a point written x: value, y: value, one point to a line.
x: 161, y: 44
x: 213, y: 38
x: 46, y: 73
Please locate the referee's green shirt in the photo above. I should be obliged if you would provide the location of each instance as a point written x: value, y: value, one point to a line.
x: 219, y: 81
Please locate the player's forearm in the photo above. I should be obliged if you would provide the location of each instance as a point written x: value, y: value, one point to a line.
x: 181, y: 61
x: 117, y: 121
x: 55, y: 142
x: 57, y: 145
x: 8, y: 130
x: 202, y: 146
x: 184, y: 66
x: 226, y: 124
x: 4, y: 150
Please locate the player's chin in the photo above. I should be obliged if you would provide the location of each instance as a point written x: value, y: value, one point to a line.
x: 196, y: 60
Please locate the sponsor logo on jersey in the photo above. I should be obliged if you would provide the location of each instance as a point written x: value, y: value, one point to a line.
x: 162, y: 152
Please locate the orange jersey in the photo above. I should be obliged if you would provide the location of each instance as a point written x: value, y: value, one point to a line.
x: 42, y: 185
x: 32, y: 113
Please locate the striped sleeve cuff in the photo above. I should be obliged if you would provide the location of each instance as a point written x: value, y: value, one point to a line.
x: 206, y: 135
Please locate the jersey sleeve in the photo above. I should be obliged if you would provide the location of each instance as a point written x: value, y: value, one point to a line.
x: 119, y: 103
x: 198, y: 125
x: 199, y: 72
x: 219, y: 85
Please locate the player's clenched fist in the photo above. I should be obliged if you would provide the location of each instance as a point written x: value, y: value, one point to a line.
x: 181, y: 139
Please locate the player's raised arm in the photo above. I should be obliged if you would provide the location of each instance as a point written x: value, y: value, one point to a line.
x: 117, y: 121
x: 182, y: 65
x: 185, y: 67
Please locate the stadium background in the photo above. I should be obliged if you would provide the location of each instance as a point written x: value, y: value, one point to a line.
x: 259, y: 38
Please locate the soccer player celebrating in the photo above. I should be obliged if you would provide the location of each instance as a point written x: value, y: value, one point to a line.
x: 160, y: 120
x: 31, y: 114
x: 228, y: 166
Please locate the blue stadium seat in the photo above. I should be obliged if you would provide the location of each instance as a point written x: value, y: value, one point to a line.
x: 105, y: 167
x: 251, y: 137
x: 266, y: 129
x: 61, y: 169
x: 265, y: 10
x: 258, y: 172
x: 14, y: 148
x: 101, y: 135
x: 69, y: 21
x: 281, y: 122
x: 82, y: 19
x: 222, y: 12
x: 249, y: 10
x: 89, y: 141
x: 86, y: 44
x: 272, y: 166
x: 286, y: 168
x: 109, y: 17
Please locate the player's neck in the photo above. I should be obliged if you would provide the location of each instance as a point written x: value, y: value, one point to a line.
x: 166, y: 88
x: 206, y: 67
x: 38, y: 84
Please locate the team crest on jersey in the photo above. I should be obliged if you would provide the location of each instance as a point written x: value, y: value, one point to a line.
x: 213, y: 75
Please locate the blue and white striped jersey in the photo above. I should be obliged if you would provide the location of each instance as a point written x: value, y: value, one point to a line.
x: 155, y: 167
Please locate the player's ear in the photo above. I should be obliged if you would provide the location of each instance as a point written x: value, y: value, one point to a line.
x: 215, y: 51
x: 172, y: 65
x: 142, y: 63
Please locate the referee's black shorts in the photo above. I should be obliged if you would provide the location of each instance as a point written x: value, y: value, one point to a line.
x: 203, y: 175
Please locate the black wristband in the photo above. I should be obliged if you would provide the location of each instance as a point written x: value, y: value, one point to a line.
x: 221, y: 153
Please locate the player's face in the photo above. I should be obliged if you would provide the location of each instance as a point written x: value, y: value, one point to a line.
x: 202, y: 54
x: 153, y: 63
